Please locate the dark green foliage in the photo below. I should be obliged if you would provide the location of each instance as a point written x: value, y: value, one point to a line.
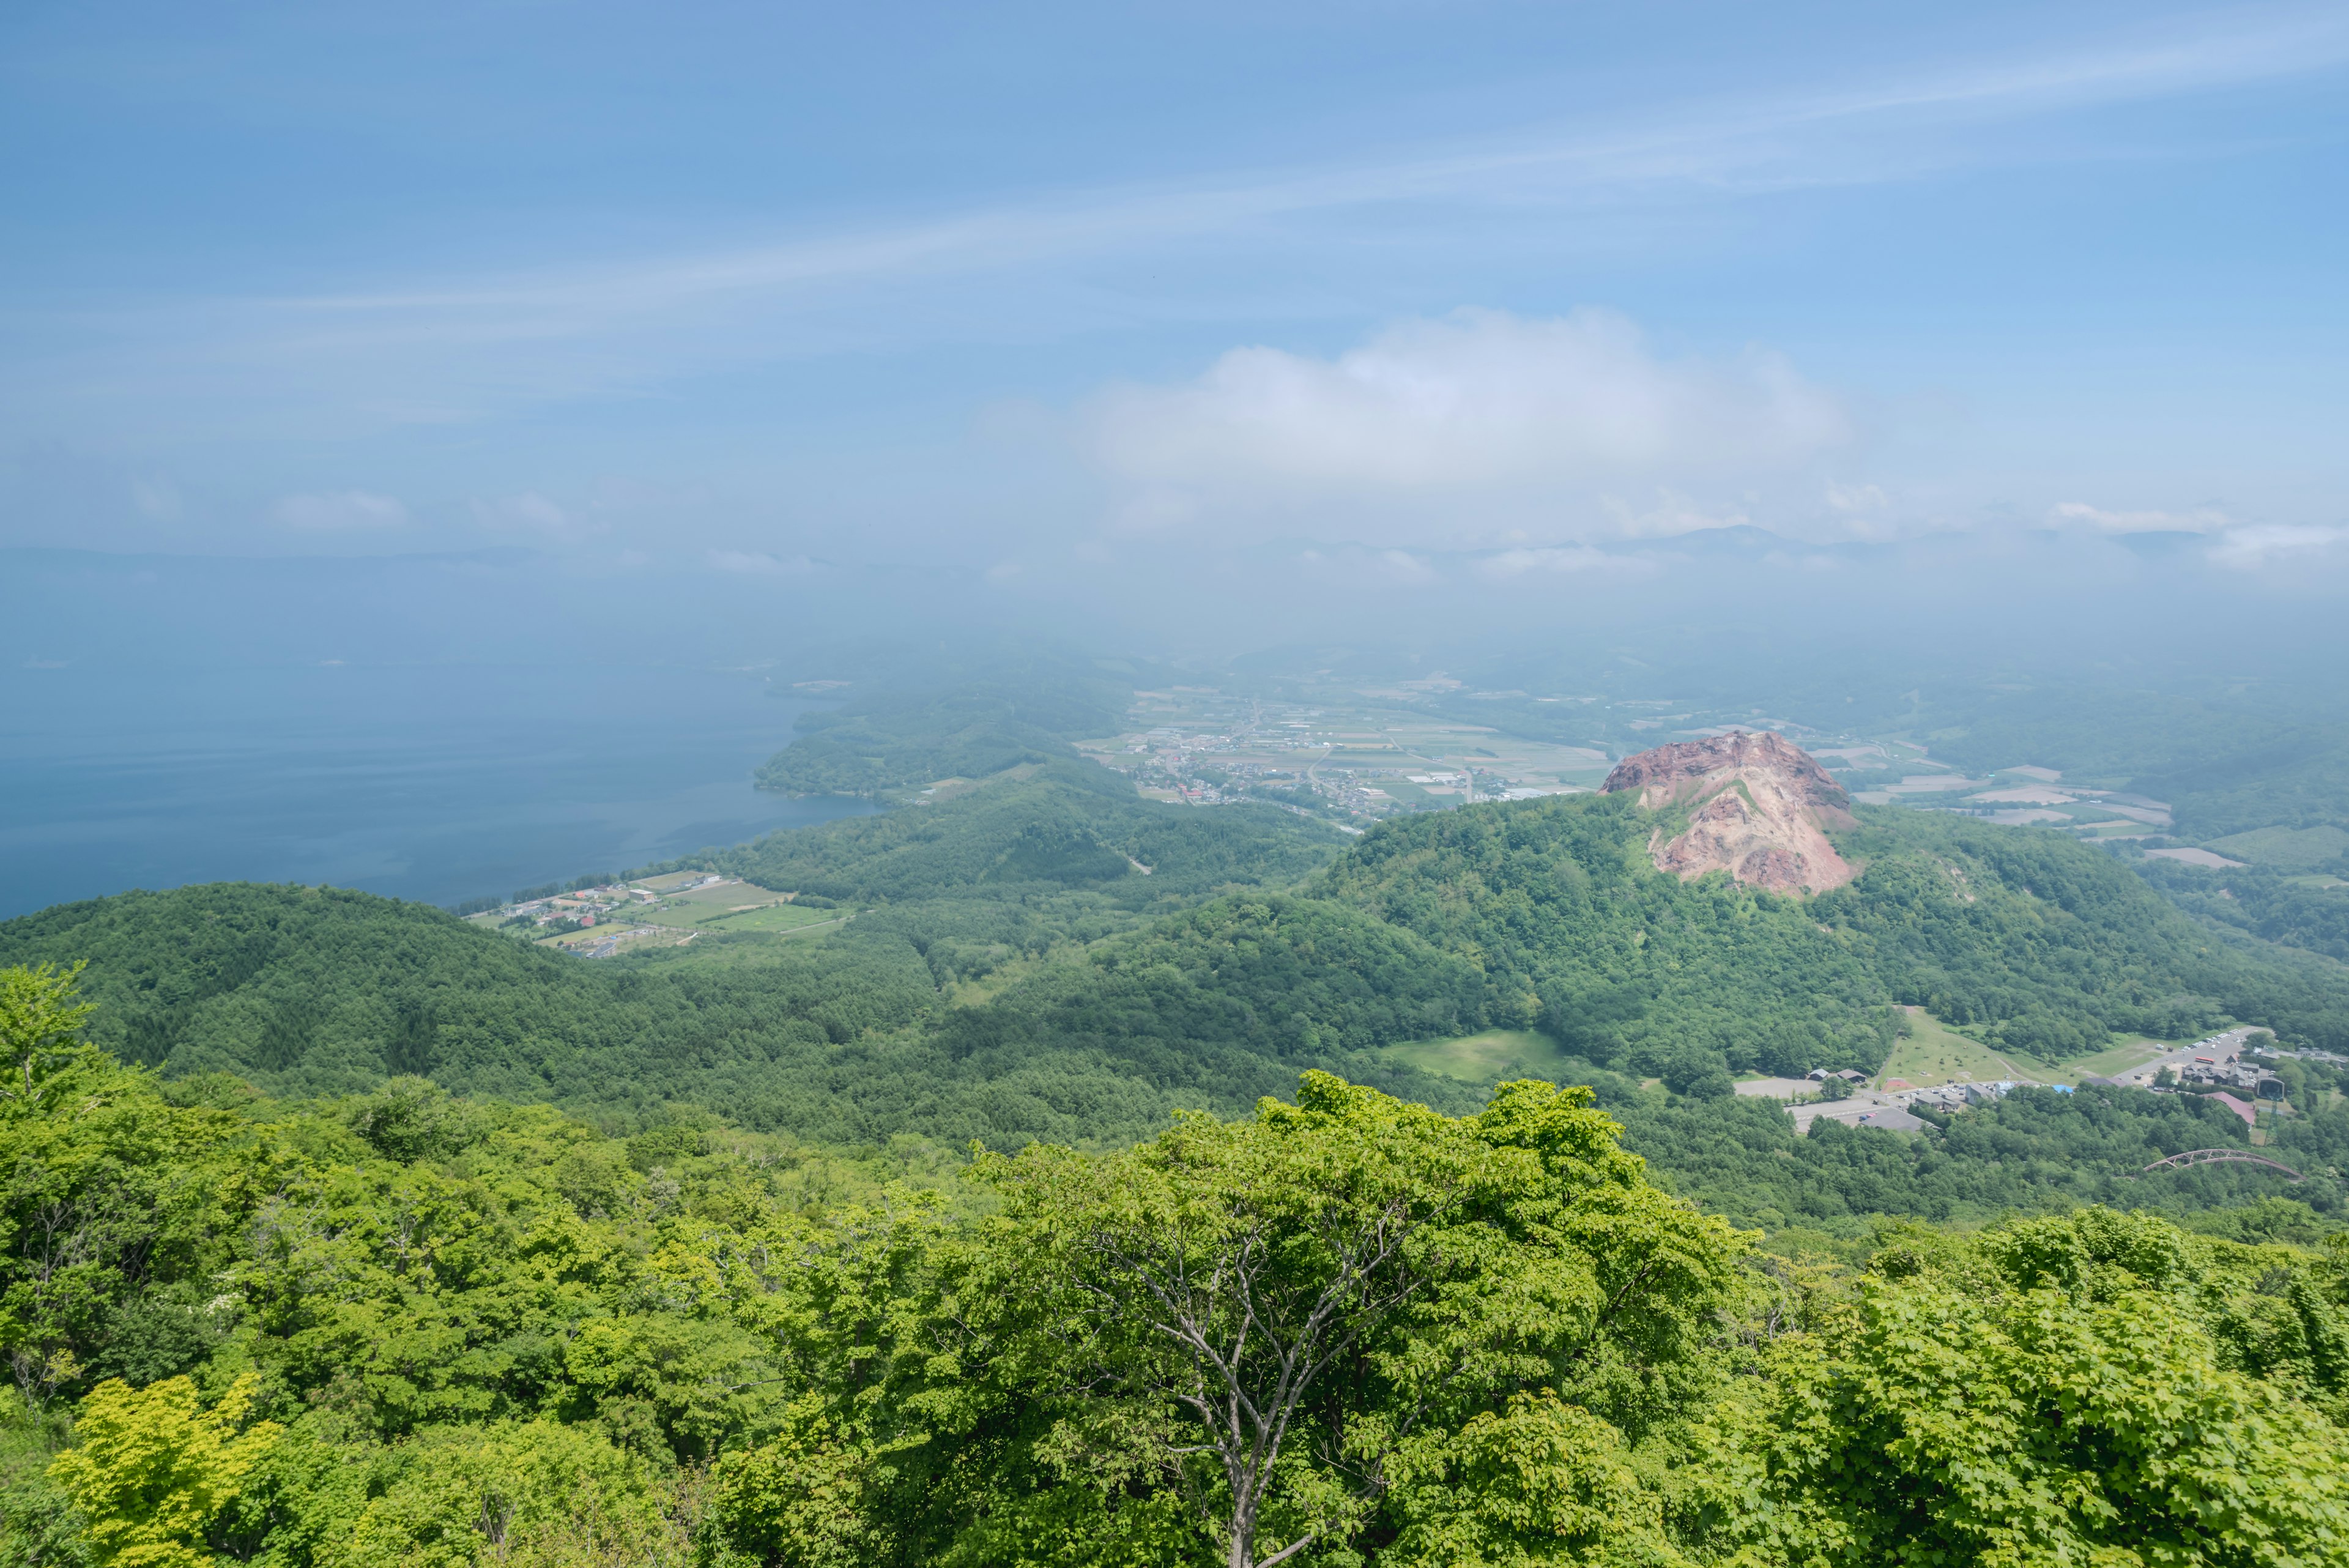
x: 1009, y: 974
x: 2046, y: 945
x: 2049, y: 942
x: 846, y: 1040
x: 2036, y: 1151
x: 1011, y: 871
x: 1220, y: 1006
x: 1049, y: 835
x: 2270, y: 905
x: 895, y: 739
x: 310, y: 990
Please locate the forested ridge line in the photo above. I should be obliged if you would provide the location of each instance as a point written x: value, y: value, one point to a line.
x: 1195, y: 987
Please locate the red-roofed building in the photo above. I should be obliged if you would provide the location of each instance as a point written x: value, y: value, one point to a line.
x: 2250, y: 1117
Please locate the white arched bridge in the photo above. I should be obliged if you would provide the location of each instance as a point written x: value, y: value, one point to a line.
x: 2218, y: 1157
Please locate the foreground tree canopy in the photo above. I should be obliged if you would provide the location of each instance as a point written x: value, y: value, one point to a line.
x: 406, y: 1327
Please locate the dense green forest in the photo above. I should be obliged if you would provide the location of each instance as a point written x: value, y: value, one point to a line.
x: 2288, y: 910
x: 1067, y: 853
x: 1015, y: 710
x: 2046, y: 945
x: 404, y: 1327
x: 988, y: 988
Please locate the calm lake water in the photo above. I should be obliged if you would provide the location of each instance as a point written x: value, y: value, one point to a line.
x: 436, y: 783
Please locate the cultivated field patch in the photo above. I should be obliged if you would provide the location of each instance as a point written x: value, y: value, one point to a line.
x: 2291, y: 848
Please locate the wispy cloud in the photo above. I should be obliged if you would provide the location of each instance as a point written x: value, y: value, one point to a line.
x: 532, y: 513
x: 342, y: 512
x: 473, y: 348
x: 2260, y: 543
x: 1696, y: 145
x: 1564, y: 560
x: 760, y: 564
x: 2079, y: 513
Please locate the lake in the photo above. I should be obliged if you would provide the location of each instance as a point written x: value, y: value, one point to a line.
x: 434, y: 783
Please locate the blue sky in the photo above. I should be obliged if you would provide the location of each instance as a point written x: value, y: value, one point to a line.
x: 1052, y: 290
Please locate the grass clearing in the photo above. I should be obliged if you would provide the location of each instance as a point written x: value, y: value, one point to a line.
x: 1483, y: 1058
x: 2118, y: 1060
x: 776, y: 916
x: 1936, y: 1053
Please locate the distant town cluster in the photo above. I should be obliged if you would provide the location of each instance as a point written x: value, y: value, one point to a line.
x: 1356, y: 754
x: 2235, y: 1068
x: 1354, y: 760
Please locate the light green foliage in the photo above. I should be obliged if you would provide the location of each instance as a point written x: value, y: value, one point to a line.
x: 152, y: 1472
x: 2067, y: 1390
x: 40, y: 1027
x: 1539, y: 1482
x: 408, y: 1326
x: 524, y: 1492
x: 1301, y: 1322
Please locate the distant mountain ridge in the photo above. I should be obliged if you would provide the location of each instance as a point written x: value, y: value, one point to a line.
x: 1763, y: 806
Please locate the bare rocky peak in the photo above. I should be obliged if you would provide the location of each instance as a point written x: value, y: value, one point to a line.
x: 1762, y: 808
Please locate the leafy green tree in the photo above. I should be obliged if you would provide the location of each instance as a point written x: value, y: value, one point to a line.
x: 153, y: 1471
x: 1353, y: 1315
x: 2064, y: 1391
x: 41, y: 1019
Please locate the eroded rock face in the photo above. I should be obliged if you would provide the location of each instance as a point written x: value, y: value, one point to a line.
x: 1763, y: 806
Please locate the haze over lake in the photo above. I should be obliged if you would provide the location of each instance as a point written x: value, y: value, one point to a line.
x: 436, y: 783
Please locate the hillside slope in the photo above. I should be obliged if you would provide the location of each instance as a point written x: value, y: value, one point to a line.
x: 2045, y: 944
x: 1105, y: 1010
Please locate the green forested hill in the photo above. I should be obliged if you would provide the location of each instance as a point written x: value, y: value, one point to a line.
x: 1011, y: 975
x: 2045, y: 944
x: 1023, y: 712
x: 1068, y: 854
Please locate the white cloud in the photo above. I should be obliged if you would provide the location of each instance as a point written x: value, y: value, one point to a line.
x: 2255, y: 545
x: 528, y: 513
x: 2204, y: 520
x: 759, y: 562
x: 1673, y: 512
x: 1478, y: 399
x: 341, y: 512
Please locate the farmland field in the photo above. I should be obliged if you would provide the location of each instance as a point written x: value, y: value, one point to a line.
x: 2291, y: 848
x: 769, y: 917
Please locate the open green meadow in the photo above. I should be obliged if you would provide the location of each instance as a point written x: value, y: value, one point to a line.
x: 1482, y: 1058
x: 2118, y: 1060
x: 1935, y: 1053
